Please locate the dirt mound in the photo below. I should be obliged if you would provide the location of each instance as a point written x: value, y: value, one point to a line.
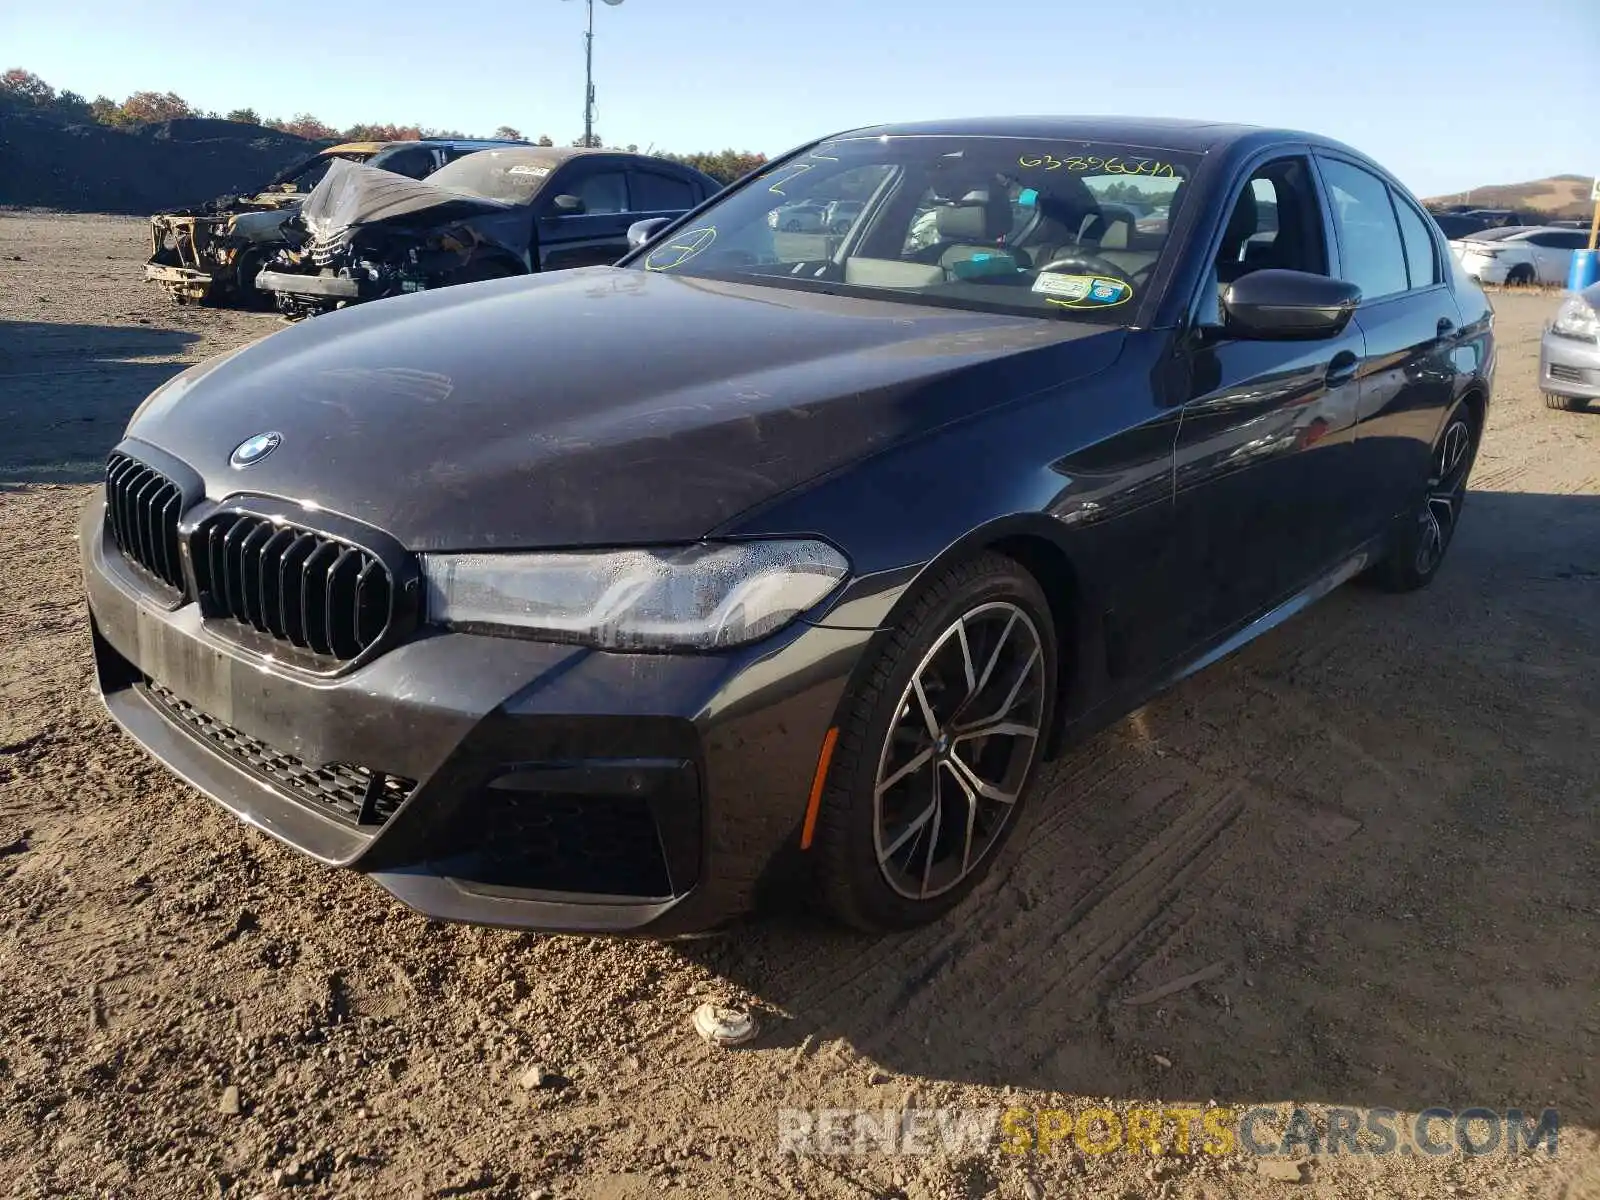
x: 166, y: 164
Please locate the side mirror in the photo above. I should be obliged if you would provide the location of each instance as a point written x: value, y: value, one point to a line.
x: 569, y: 206
x: 1273, y: 304
x: 641, y: 232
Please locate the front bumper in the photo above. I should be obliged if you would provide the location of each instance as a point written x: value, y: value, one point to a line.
x: 327, y: 287
x: 184, y: 283
x: 177, y: 275
x: 544, y: 786
x: 1569, y: 367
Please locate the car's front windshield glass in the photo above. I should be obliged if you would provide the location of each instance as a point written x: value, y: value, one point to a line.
x: 1039, y: 226
x: 305, y: 176
x: 514, y: 176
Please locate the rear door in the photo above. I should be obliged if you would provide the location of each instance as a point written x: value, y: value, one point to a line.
x: 596, y: 231
x: 653, y: 193
x: 1552, y: 253
x: 1409, y: 319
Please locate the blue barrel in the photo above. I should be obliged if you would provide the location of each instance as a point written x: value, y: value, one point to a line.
x: 1585, y: 269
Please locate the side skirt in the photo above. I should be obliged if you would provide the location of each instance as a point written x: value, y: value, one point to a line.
x: 1336, y: 578
x: 1116, y: 708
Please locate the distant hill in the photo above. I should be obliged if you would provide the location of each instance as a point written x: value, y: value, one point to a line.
x: 1558, y: 196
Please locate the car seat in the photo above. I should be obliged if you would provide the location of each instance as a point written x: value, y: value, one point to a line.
x: 1241, y: 226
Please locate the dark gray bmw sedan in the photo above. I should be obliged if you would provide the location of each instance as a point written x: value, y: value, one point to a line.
x: 770, y: 559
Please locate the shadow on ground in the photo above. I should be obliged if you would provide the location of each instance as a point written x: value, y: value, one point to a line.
x: 66, y: 391
x: 1376, y: 827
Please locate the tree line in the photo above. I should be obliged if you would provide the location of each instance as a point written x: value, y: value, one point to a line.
x: 21, y: 89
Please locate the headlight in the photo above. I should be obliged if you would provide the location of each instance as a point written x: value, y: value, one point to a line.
x: 1576, y: 318
x: 701, y: 597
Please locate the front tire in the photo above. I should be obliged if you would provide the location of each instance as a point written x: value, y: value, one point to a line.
x: 937, y: 743
x: 1423, y: 536
x: 1520, y: 275
x: 1565, y: 403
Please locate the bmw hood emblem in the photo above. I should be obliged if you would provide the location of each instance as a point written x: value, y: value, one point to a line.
x: 252, y: 450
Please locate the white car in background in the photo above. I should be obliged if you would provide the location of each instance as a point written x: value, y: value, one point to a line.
x: 1519, y: 253
x: 805, y: 217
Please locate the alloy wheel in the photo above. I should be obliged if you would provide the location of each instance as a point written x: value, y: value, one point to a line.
x: 957, y: 754
x: 1447, y: 487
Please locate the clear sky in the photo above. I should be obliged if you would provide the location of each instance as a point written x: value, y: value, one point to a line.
x: 1448, y: 94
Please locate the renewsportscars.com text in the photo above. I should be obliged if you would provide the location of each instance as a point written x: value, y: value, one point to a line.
x: 1176, y: 1129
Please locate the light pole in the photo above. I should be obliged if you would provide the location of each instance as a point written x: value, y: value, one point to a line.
x: 588, y: 74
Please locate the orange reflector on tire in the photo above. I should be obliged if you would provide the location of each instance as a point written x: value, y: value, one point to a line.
x: 814, y: 804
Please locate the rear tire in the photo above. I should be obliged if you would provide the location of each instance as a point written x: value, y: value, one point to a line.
x: 1423, y: 536
x: 917, y: 803
x: 1565, y: 403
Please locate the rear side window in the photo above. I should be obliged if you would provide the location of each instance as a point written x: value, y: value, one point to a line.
x: 654, y: 192
x: 1421, y: 264
x: 1373, y: 256
x: 1558, y: 240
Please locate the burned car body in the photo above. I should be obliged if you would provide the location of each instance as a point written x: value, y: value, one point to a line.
x: 366, y: 233
x: 212, y: 252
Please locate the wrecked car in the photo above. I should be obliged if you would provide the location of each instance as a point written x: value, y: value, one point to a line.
x: 213, y: 252
x: 364, y: 233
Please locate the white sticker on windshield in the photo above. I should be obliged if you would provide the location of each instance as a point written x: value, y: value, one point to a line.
x: 540, y: 172
x: 1067, y: 287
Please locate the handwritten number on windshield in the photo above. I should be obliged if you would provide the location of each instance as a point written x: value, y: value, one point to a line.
x: 1115, y: 165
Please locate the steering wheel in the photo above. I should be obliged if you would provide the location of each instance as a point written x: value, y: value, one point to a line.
x: 1090, y: 264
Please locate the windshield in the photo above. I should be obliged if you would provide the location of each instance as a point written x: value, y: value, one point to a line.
x: 1498, y: 235
x: 1036, y: 226
x: 305, y: 176
x: 514, y: 176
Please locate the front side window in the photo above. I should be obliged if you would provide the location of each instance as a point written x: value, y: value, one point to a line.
x: 1274, y: 222
x: 1026, y: 225
x: 1557, y: 239
x: 605, y: 192
x: 1369, y: 237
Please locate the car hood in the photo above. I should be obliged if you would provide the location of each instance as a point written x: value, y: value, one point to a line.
x: 593, y: 407
x: 353, y: 194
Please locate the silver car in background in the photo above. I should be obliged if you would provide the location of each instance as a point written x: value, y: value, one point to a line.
x: 1569, y: 353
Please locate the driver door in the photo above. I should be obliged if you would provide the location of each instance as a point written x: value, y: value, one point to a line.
x: 594, y: 232
x: 1264, y: 447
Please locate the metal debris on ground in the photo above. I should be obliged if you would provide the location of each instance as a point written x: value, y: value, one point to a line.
x: 725, y: 1026
x: 1204, y: 975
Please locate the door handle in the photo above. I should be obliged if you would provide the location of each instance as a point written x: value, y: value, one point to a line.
x: 1445, y: 327
x: 1342, y: 369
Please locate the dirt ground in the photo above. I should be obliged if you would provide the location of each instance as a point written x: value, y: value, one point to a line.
x: 1377, y: 827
